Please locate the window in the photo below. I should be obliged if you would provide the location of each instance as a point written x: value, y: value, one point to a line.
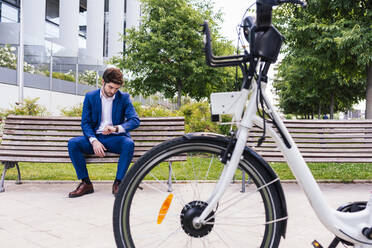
x: 9, y: 12
x: 52, y: 11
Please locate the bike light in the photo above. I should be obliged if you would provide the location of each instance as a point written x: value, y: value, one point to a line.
x: 164, y: 208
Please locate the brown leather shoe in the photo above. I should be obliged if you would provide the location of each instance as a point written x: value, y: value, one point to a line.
x: 115, y: 188
x: 81, y: 190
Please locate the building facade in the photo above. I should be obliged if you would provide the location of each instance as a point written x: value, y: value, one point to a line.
x: 77, y: 28
x: 62, y: 40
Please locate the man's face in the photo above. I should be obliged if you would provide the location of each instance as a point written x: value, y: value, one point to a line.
x: 109, y: 89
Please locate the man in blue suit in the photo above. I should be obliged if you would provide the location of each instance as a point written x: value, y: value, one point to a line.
x: 108, y: 116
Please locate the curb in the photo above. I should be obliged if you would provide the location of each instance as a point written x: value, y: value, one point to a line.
x: 236, y: 181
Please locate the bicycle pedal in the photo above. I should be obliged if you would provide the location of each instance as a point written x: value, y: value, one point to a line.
x: 316, y: 244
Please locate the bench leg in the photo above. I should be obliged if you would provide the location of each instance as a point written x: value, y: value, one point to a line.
x: 8, y: 165
x: 243, y: 182
x: 19, y: 174
x: 2, y: 189
x: 170, y: 178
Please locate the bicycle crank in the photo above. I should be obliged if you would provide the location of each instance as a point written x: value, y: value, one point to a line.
x: 189, y: 213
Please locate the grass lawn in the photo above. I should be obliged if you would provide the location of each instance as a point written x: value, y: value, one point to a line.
x: 322, y: 171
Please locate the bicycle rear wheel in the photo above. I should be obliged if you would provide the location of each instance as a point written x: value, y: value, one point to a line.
x: 240, y: 219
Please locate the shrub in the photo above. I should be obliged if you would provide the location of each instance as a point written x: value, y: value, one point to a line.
x: 27, y: 107
x: 75, y: 110
x: 8, y: 59
x: 89, y: 77
x: 198, y: 118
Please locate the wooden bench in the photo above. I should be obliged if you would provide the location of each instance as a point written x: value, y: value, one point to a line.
x: 341, y: 141
x: 337, y: 141
x: 44, y: 140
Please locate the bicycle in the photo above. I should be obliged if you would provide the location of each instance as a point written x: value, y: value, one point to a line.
x: 199, y: 211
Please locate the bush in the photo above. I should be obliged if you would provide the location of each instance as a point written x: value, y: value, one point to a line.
x: 60, y: 75
x: 27, y: 107
x: 198, y: 118
x: 153, y: 111
x: 75, y: 110
x: 8, y: 59
x: 89, y: 77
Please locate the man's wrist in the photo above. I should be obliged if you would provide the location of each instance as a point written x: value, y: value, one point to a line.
x: 120, y: 129
x: 92, y: 139
x: 116, y: 129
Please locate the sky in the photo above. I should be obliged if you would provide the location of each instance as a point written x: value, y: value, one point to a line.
x: 233, y: 11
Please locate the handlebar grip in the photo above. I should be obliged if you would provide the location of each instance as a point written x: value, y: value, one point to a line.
x: 264, y: 15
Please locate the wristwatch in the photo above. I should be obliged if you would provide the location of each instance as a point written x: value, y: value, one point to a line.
x: 116, y: 129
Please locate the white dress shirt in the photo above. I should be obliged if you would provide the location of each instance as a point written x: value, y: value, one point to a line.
x: 106, y: 115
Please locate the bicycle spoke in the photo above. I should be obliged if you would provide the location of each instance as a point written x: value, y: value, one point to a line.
x: 220, y: 238
x: 166, y: 190
x: 239, y: 220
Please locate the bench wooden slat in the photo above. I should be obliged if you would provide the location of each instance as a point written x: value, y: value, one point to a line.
x: 72, y: 134
x: 327, y: 131
x: 67, y: 160
x: 314, y: 145
x: 322, y: 131
x: 323, y: 136
x: 333, y: 125
x: 162, y: 136
x: 142, y: 147
x: 68, y: 118
x: 320, y: 141
x: 166, y: 122
x: 312, y: 150
x: 319, y: 155
x: 55, y: 154
x: 41, y: 127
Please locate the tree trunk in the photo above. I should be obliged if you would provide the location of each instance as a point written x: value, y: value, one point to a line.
x: 332, y: 107
x: 369, y: 92
x: 179, y: 93
x: 319, y: 111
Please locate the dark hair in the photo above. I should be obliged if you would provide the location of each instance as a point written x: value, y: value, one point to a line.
x: 113, y: 75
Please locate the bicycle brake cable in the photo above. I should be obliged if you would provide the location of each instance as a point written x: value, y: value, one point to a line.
x: 261, y: 102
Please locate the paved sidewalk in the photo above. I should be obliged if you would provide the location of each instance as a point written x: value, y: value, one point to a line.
x: 41, y: 215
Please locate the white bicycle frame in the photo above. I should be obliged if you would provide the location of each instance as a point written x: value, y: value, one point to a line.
x: 347, y: 226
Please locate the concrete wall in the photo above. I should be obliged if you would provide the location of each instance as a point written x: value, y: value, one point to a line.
x: 63, y: 94
x: 53, y: 101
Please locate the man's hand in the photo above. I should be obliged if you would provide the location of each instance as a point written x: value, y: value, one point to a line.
x: 108, y: 130
x: 98, y: 148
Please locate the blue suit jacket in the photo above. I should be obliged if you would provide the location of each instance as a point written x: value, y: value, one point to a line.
x: 123, y: 113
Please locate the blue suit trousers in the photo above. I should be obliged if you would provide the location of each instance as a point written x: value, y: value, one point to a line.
x: 123, y: 145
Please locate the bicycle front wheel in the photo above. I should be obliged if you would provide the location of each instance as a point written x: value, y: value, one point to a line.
x: 155, y: 206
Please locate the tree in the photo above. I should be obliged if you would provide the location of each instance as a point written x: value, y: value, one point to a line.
x: 165, y: 54
x: 329, y: 42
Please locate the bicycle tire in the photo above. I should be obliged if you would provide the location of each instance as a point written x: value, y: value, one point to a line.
x: 136, y: 205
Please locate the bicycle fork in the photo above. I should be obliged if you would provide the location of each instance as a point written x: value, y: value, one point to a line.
x: 231, y: 166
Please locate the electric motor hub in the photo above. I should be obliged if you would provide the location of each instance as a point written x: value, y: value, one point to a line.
x: 191, y: 211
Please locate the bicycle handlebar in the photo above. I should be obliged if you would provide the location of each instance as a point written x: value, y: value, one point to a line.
x: 219, y: 61
x: 263, y: 21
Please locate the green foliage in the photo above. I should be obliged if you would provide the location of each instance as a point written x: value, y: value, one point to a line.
x: 198, y: 119
x: 27, y: 107
x: 75, y: 110
x: 345, y: 172
x: 89, y: 77
x: 197, y: 116
x: 165, y: 54
x: 63, y: 76
x: 328, y: 46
